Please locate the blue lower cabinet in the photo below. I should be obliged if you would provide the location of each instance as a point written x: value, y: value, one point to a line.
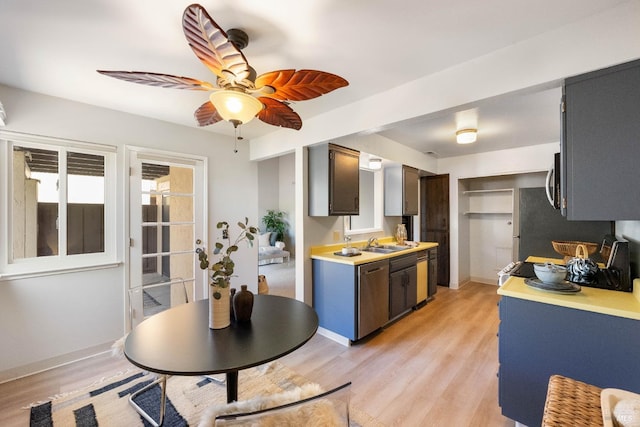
x: 335, y: 297
x: 537, y: 340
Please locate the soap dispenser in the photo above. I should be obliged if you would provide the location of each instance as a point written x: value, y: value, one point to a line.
x: 347, y: 250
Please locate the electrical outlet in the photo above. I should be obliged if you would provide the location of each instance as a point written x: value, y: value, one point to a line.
x: 336, y: 236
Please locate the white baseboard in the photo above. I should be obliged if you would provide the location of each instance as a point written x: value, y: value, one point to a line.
x: 54, y: 362
x: 334, y: 337
x: 484, y: 280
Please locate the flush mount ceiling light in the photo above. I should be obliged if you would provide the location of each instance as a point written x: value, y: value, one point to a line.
x: 466, y: 136
x: 375, y: 164
x: 266, y: 96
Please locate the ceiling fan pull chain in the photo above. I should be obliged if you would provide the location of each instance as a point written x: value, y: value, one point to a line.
x: 235, y: 140
x: 238, y: 137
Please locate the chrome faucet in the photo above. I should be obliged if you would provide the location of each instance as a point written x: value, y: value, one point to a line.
x: 372, y: 242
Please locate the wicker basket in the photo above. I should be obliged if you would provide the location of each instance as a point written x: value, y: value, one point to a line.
x: 568, y: 248
x: 571, y: 403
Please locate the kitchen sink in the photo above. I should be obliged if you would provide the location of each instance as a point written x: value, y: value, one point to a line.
x: 396, y: 248
x: 385, y: 249
x: 379, y: 250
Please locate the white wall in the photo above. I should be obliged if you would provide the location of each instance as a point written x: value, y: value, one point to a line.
x: 504, y: 162
x: 543, y: 61
x: 268, y: 191
x: 287, y: 199
x: 48, y: 320
x: 276, y: 190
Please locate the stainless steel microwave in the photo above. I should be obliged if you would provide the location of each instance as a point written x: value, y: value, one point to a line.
x: 552, y: 186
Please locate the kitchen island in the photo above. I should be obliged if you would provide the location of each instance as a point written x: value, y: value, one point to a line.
x: 356, y: 295
x: 592, y: 336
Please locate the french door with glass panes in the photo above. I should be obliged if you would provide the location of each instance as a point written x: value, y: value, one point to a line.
x: 166, y: 220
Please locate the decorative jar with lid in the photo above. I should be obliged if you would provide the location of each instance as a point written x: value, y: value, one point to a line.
x: 401, y: 234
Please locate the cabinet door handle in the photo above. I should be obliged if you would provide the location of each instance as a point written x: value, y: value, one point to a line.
x: 375, y: 270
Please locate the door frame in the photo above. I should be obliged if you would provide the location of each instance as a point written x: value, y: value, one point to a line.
x: 133, y: 222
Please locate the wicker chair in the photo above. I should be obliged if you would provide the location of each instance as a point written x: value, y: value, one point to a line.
x: 571, y: 403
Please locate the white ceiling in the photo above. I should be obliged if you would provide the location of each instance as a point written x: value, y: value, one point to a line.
x: 54, y: 48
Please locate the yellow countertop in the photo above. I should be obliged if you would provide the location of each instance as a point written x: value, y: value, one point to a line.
x: 326, y: 252
x: 614, y: 303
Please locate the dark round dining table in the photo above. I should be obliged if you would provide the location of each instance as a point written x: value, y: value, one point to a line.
x: 178, y: 341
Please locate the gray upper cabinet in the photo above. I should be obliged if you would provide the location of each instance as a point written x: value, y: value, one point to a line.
x: 334, y: 180
x: 601, y: 145
x: 401, y: 188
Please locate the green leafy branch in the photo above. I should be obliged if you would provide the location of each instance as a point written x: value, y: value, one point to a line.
x: 224, y: 268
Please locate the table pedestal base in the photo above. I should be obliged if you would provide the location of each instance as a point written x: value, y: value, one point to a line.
x: 232, y: 386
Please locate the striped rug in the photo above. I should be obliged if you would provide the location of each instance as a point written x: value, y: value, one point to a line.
x: 107, y: 403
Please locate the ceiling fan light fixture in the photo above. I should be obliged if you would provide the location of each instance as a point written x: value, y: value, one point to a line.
x: 235, y: 106
x: 466, y: 136
x: 236, y: 80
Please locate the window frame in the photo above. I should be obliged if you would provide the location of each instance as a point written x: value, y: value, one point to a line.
x: 378, y: 207
x: 36, y: 266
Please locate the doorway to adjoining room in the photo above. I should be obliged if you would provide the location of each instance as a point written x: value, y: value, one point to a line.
x: 276, y: 203
x: 280, y: 278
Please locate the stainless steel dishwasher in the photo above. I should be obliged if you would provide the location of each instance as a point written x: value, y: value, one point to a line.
x: 373, y: 296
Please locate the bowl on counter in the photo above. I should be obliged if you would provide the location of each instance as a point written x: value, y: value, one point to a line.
x: 550, y: 273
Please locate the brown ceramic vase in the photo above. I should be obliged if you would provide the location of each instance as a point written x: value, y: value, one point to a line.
x: 243, y: 304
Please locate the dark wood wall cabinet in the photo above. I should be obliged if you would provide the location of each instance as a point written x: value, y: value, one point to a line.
x: 601, y: 144
x: 434, y: 220
x: 334, y: 180
x: 401, y: 191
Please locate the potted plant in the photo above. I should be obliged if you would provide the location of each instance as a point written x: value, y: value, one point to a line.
x: 274, y: 222
x: 222, y: 271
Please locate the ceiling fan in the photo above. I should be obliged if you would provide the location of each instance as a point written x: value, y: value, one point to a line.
x: 237, y: 95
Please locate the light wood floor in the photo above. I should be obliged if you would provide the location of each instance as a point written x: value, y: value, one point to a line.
x: 435, y: 367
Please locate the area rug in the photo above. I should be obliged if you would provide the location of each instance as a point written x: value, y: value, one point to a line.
x: 107, y: 403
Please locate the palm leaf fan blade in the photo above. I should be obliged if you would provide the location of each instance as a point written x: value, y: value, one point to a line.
x: 159, y: 80
x: 211, y: 44
x: 300, y: 85
x: 207, y: 114
x: 279, y: 114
